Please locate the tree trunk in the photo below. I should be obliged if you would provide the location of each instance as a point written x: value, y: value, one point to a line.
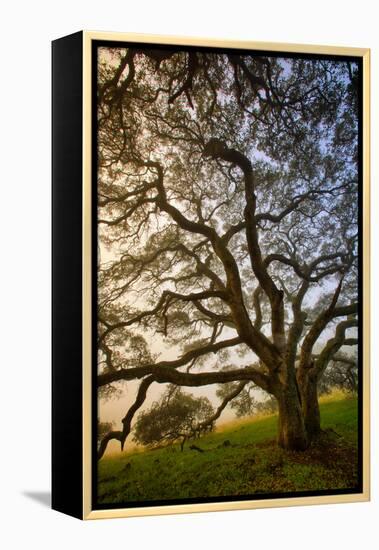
x: 291, y: 429
x: 310, y: 407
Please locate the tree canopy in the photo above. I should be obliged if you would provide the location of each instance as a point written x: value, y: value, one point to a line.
x: 176, y: 416
x: 228, y: 223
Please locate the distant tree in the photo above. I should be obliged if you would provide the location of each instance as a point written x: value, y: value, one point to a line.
x: 176, y: 416
x: 341, y: 374
x: 246, y: 399
x: 244, y: 403
x: 267, y: 406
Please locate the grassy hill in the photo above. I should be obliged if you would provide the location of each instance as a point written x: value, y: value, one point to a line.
x: 241, y: 458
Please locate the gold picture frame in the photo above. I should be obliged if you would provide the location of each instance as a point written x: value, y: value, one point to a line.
x: 78, y: 50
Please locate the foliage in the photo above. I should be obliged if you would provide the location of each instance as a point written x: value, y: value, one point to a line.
x: 227, y: 195
x: 267, y: 406
x: 176, y: 415
x: 250, y: 465
x: 341, y: 374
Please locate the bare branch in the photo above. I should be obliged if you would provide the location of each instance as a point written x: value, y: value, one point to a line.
x: 335, y: 343
x: 218, y: 150
x: 166, y: 373
x: 127, y: 420
x: 232, y: 395
x: 140, y: 372
x: 321, y: 322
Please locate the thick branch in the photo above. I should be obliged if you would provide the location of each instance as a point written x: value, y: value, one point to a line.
x: 276, y: 218
x: 218, y: 150
x: 306, y: 272
x: 163, y: 303
x: 125, y: 196
x: 321, y: 322
x: 145, y: 370
x: 187, y: 84
x: 127, y: 420
x: 258, y: 342
x: 164, y: 374
x: 296, y: 329
x: 209, y: 421
x: 334, y: 344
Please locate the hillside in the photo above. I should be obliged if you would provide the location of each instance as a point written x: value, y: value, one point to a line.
x: 239, y: 459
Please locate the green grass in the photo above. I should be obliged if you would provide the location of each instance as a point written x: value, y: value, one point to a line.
x: 251, y: 463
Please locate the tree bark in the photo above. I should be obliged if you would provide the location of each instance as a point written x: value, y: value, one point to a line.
x: 307, y: 380
x: 292, y: 434
x: 310, y: 408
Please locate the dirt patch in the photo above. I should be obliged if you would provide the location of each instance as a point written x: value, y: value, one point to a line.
x: 329, y: 450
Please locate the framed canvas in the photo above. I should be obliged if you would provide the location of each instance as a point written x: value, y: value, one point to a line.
x: 210, y: 275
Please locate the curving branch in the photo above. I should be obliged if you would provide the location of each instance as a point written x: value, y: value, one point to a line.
x: 320, y: 323
x: 296, y: 329
x: 127, y: 420
x: 232, y: 395
x: 163, y: 304
x: 166, y: 373
x: 334, y: 344
x: 144, y: 370
x: 111, y: 91
x: 104, y: 200
x: 294, y: 204
x: 216, y: 149
x: 187, y: 84
x: 259, y: 343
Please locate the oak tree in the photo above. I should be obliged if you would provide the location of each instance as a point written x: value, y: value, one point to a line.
x: 177, y: 416
x: 228, y: 224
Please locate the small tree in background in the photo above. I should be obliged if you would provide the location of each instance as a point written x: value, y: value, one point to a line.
x: 342, y: 374
x: 176, y: 416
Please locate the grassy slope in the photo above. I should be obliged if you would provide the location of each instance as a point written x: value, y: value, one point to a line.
x: 252, y: 463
